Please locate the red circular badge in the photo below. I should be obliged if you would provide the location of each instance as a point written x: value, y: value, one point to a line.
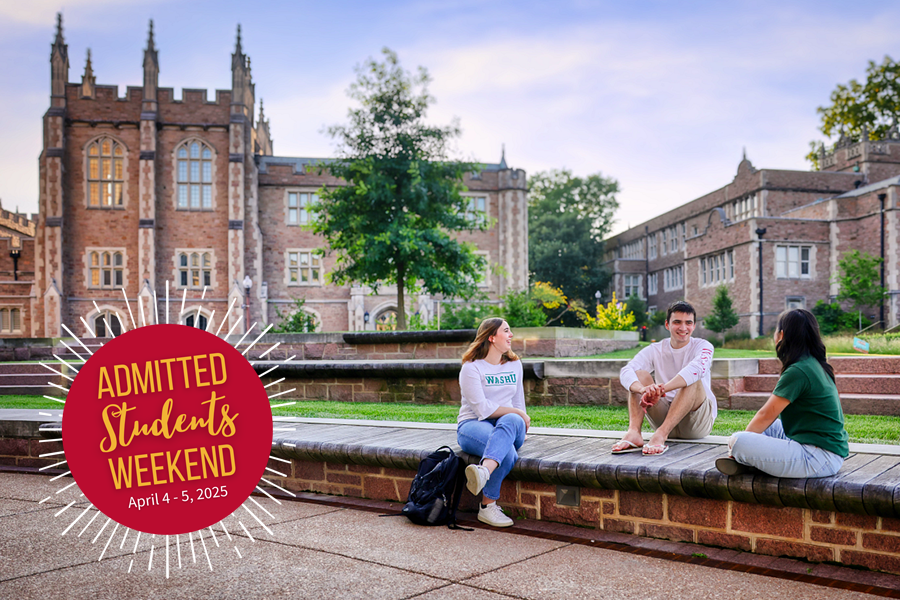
x: 167, y: 429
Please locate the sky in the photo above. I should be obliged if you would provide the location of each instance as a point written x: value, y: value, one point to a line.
x: 662, y: 96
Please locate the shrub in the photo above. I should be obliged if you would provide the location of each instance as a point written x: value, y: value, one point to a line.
x: 299, y: 321
x: 614, y: 315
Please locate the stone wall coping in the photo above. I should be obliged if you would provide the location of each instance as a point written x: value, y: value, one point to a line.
x: 722, y: 368
x: 865, y: 484
x: 422, y: 368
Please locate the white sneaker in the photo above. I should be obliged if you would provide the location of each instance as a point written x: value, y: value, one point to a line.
x: 476, y: 478
x: 492, y: 514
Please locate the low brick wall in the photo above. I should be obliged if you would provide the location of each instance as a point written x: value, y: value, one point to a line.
x: 550, y: 391
x: 815, y: 535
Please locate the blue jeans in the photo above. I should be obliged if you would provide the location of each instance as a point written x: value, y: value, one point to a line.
x: 776, y: 454
x: 497, y: 439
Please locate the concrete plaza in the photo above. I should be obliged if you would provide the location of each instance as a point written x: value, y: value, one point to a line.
x: 314, y: 550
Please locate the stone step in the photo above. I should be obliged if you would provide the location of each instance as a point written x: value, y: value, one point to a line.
x: 853, y: 404
x: 884, y: 365
x: 35, y: 368
x: 846, y: 383
x: 31, y: 390
x: 7, y: 380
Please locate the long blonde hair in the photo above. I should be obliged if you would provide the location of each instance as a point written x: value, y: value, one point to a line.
x: 479, y: 348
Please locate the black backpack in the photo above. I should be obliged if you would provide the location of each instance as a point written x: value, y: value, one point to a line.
x: 436, y: 490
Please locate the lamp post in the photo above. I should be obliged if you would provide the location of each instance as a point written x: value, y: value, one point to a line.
x: 15, y: 252
x: 598, y: 295
x: 760, y: 232
x: 366, y: 321
x: 881, y: 198
x: 248, y: 283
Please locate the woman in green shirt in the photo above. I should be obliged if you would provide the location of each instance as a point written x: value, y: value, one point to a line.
x: 799, y: 431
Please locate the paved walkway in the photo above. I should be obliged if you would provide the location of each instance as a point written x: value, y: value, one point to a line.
x: 313, y: 550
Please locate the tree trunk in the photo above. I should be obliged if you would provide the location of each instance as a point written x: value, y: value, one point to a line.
x: 401, y: 301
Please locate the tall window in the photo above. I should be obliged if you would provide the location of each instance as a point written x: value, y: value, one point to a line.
x: 299, y: 207
x: 673, y: 278
x: 107, y: 268
x: 744, y: 208
x: 106, y: 173
x: 476, y: 210
x: 304, y: 267
x: 195, y: 269
x: 665, y: 241
x: 633, y: 250
x: 651, y: 246
x: 792, y: 262
x: 632, y: 285
x: 717, y: 268
x: 194, y: 176
x: 652, y: 284
x: 10, y: 320
x: 673, y: 239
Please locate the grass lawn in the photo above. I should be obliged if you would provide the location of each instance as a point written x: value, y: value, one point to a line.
x: 719, y: 353
x: 862, y: 428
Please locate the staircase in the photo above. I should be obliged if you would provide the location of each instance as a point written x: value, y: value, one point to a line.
x: 30, y: 378
x: 867, y: 385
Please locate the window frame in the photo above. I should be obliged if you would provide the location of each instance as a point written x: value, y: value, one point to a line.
x: 185, y: 270
x: 312, y: 197
x: 474, y: 215
x: 6, y: 318
x: 117, y: 270
x: 98, y: 180
x: 783, y: 264
x: 177, y: 183
x: 313, y: 258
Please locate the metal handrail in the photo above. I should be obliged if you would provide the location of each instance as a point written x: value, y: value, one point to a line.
x: 869, y: 327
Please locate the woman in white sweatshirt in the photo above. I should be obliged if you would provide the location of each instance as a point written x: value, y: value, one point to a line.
x: 492, y: 419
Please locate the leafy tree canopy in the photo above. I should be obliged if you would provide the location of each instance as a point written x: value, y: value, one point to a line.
x: 568, y: 217
x: 871, y: 106
x: 859, y: 279
x: 392, y: 222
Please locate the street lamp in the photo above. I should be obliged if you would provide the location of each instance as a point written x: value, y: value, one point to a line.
x: 598, y: 295
x: 366, y: 320
x: 248, y: 283
x: 760, y: 232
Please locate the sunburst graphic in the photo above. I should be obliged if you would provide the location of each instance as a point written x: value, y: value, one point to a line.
x: 175, y: 556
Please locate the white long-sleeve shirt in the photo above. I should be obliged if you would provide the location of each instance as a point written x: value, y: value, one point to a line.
x: 486, y: 387
x: 692, y: 361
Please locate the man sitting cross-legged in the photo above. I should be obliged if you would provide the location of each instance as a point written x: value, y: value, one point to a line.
x: 680, y: 403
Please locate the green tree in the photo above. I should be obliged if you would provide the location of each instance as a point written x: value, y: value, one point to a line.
x: 299, y: 321
x: 722, y: 317
x: 568, y: 218
x: 392, y: 222
x: 858, y: 278
x: 860, y: 109
x: 639, y: 308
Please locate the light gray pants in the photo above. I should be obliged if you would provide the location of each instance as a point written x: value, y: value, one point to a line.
x: 774, y: 453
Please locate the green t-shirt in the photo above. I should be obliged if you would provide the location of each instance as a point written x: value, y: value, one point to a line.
x: 814, y: 415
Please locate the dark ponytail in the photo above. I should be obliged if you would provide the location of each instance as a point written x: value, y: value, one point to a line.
x: 800, y: 337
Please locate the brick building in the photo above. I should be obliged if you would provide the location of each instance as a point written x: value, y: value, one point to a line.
x: 151, y: 194
x: 801, y: 221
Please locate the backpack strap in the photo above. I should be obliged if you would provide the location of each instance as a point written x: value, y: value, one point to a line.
x: 457, y: 495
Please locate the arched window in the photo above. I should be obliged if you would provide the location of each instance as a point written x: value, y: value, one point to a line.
x: 10, y: 320
x: 112, y: 318
x: 106, y: 173
x: 194, y: 176
x: 190, y: 320
x: 107, y: 269
x: 195, y: 269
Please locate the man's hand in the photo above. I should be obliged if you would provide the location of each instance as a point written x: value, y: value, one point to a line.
x: 651, y: 395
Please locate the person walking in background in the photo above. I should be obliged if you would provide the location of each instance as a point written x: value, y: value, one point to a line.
x: 492, y: 419
x: 799, y: 431
x: 680, y: 402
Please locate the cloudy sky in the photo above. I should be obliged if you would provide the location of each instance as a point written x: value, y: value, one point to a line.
x: 660, y: 95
